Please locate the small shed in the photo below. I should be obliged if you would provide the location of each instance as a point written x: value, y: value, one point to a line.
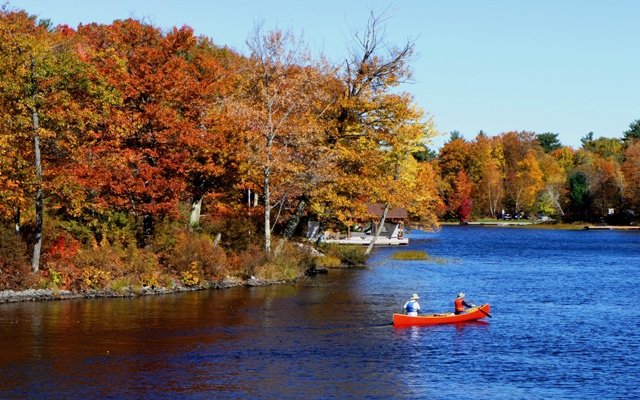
x: 393, y: 231
x: 394, y: 221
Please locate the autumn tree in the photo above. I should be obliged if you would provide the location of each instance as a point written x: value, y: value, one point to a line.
x: 631, y: 171
x: 492, y: 185
x: 281, y: 100
x: 425, y: 204
x: 138, y: 161
x: 516, y: 146
x: 210, y: 77
x: 554, y: 189
x: 485, y: 171
x: 377, y: 128
x: 566, y: 157
x: 460, y: 203
x: 527, y: 183
x: 607, y: 187
x: 452, y: 158
x: 47, y: 99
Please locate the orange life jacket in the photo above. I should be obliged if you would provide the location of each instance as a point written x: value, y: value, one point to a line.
x: 459, y: 305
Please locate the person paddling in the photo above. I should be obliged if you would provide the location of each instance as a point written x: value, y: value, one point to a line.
x: 461, y: 304
x: 412, y: 307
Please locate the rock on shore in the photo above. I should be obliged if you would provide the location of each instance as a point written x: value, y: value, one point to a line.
x: 10, y: 296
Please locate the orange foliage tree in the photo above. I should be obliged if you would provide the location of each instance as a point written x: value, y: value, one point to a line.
x: 47, y: 100
x: 453, y: 158
x: 631, y: 171
x: 139, y: 159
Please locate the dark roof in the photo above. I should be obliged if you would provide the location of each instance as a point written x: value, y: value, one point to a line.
x: 396, y: 212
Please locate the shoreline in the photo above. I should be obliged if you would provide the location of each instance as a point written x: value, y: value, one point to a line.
x: 38, y: 295
x: 543, y: 225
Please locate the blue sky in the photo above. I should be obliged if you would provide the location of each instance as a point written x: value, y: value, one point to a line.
x: 564, y: 66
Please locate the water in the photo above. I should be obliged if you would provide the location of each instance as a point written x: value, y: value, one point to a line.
x: 565, y: 326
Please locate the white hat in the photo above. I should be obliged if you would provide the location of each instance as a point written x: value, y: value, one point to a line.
x: 460, y: 295
x: 415, y: 297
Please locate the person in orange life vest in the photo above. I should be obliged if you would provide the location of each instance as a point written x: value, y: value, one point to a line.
x: 461, y: 304
x: 412, y: 307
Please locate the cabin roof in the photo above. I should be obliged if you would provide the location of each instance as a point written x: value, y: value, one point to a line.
x: 395, y: 213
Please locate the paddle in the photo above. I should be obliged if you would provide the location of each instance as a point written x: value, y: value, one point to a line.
x: 484, y: 312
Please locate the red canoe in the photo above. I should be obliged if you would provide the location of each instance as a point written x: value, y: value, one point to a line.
x: 472, y: 314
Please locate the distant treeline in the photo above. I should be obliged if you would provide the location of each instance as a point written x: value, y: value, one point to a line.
x: 530, y: 175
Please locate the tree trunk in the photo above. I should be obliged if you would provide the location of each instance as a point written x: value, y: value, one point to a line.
x: 380, y: 226
x: 37, y: 247
x: 293, y: 223
x: 267, y: 213
x: 147, y: 229
x: 196, y: 208
x: 16, y: 221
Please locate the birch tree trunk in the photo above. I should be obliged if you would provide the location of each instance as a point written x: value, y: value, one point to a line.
x: 37, y: 247
x: 16, y: 221
x: 267, y: 212
x: 196, y: 209
x: 293, y: 223
x: 380, y: 226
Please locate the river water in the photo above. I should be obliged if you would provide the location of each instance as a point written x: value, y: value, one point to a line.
x: 566, y: 325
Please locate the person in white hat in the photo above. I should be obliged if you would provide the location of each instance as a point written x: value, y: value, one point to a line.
x: 412, y: 307
x: 461, y: 304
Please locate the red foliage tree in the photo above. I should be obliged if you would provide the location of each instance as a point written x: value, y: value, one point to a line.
x: 140, y: 158
x: 464, y: 211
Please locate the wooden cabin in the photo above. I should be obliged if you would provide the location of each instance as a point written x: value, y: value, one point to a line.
x: 362, y: 232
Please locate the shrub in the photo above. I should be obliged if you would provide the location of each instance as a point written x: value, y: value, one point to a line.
x: 244, y: 263
x: 58, y: 264
x: 99, y: 265
x: 191, y: 277
x: 327, y: 261
x: 119, y: 285
x: 349, y: 255
x: 106, y: 258
x: 238, y: 233
x: 18, y: 277
x: 95, y: 278
x: 196, y: 249
x: 291, y: 263
x: 145, y: 265
x: 15, y: 268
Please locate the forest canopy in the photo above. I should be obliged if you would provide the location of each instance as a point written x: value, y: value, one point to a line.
x: 134, y: 155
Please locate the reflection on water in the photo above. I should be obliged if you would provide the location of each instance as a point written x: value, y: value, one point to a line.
x: 561, y: 328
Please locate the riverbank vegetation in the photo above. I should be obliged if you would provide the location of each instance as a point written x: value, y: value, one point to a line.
x: 134, y: 156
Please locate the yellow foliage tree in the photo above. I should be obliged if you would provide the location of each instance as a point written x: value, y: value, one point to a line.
x: 280, y: 103
x: 528, y: 182
x: 377, y: 129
